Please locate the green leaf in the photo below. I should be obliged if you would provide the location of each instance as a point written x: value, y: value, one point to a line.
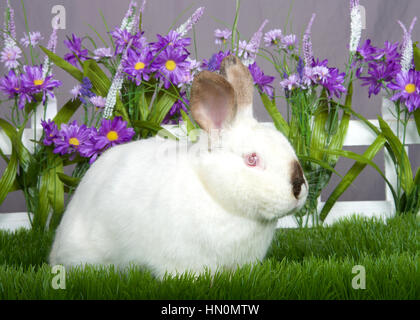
x: 68, y: 181
x: 153, y: 128
x: 8, y: 179
x: 275, y: 114
x: 191, y: 128
x: 56, y: 190
x: 319, y: 134
x: 67, y: 111
x: 15, y: 137
x: 63, y: 64
x: 321, y: 163
x: 163, y: 104
x: 99, y: 79
x: 400, y: 156
x: 337, y: 140
x: 352, y: 174
x: 416, y: 115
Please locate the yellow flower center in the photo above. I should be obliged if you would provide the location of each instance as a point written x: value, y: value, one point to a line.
x: 74, y: 141
x: 410, y: 88
x: 139, y: 66
x: 112, y: 135
x: 38, y: 82
x: 224, y: 41
x: 170, y: 65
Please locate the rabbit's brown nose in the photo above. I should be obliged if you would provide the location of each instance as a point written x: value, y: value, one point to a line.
x: 297, y: 179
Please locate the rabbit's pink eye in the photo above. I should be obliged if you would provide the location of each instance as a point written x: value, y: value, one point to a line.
x: 251, y: 159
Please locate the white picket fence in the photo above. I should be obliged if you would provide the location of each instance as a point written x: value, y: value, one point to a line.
x: 358, y: 135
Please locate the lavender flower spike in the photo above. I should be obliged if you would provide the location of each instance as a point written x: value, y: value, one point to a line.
x: 254, y: 45
x: 52, y: 45
x: 128, y: 21
x: 307, y: 43
x: 9, y: 26
x: 355, y: 25
x: 187, y: 26
x: 407, y: 46
x: 116, y: 86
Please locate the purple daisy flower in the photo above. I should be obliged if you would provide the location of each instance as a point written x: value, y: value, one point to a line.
x: 222, y: 36
x: 407, y: 87
x: 366, y: 52
x: 172, y: 66
x: 33, y: 81
x: 378, y: 74
x: 75, y: 46
x: 71, y: 138
x: 32, y: 39
x: 123, y: 37
x: 138, y: 65
x: 388, y: 53
x: 288, y: 42
x: 50, y: 130
x: 98, y: 101
x: 215, y: 61
x: 75, y: 92
x: 10, y: 56
x: 111, y: 133
x: 290, y: 83
x: 10, y: 84
x: 172, y: 40
x: 273, y: 38
x: 334, y: 82
x: 174, y: 115
x: 262, y: 81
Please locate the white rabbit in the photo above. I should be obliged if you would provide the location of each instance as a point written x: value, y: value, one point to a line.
x: 181, y: 212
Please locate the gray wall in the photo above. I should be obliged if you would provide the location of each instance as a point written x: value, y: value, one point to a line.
x: 330, y: 34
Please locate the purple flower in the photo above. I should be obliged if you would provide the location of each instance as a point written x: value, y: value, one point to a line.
x: 334, y: 82
x: 138, y: 65
x: 174, y: 115
x: 85, y: 91
x: 307, y: 43
x: 221, y: 36
x: 50, y: 130
x: 71, y: 138
x: 10, y: 84
x: 75, y: 46
x: 111, y: 133
x: 262, y: 81
x: 215, y: 61
x: 247, y: 50
x: 288, y: 42
x: 98, y: 101
x: 172, y: 40
x: 273, y: 37
x: 10, y: 56
x: 388, y: 53
x: 366, y: 52
x: 33, y: 81
x: 102, y: 53
x: 32, y: 39
x: 378, y: 74
x: 171, y: 66
x: 123, y: 37
x: 290, y: 83
x: 407, y: 87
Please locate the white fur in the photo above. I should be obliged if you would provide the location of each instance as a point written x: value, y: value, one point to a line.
x: 170, y: 215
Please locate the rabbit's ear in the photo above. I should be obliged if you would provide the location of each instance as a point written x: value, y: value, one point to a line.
x: 241, y: 80
x: 212, y: 101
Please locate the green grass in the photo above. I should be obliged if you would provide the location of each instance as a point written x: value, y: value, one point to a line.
x: 301, y: 264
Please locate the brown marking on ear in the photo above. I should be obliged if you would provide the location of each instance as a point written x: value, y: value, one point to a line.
x: 297, y: 178
x: 212, y: 101
x: 240, y: 78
